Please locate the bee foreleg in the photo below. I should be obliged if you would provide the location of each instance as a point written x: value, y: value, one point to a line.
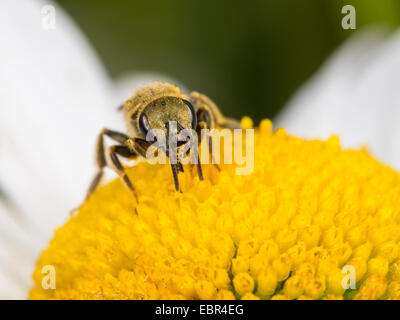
x: 205, y: 124
x: 100, y: 156
x: 115, y: 135
x: 123, y: 151
x: 138, y: 145
x: 175, y: 174
x: 180, y: 167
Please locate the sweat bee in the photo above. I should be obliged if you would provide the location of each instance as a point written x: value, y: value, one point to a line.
x: 155, y: 106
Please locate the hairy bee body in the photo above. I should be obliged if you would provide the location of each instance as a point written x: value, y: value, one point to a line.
x: 155, y: 106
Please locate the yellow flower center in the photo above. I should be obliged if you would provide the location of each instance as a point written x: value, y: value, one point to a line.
x: 308, y: 218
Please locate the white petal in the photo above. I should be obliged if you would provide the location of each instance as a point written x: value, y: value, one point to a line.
x: 10, y: 290
x: 18, y: 253
x: 55, y: 97
x: 355, y: 95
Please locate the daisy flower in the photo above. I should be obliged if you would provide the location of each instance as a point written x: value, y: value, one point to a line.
x: 309, y: 211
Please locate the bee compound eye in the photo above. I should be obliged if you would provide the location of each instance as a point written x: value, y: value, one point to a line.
x: 144, y: 125
x: 193, y: 116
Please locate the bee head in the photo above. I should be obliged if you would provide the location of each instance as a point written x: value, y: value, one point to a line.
x: 163, y: 112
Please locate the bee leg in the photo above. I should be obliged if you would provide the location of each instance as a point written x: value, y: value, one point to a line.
x: 180, y: 167
x: 175, y: 174
x: 123, y: 151
x: 100, y: 163
x: 100, y: 156
x: 115, y: 135
x: 205, y: 122
x: 175, y: 166
x: 95, y: 182
x: 139, y: 145
x: 131, y: 149
x: 199, y: 171
x: 197, y: 160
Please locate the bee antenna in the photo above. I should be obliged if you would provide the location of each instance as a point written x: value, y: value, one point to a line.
x: 120, y: 107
